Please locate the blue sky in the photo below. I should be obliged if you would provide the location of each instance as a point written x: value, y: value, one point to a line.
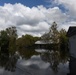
x: 34, y: 3
x: 36, y: 16
x: 29, y: 3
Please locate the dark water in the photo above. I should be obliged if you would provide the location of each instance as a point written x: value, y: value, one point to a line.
x: 33, y: 60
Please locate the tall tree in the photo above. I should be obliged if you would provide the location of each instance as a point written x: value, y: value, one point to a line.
x: 4, y: 40
x: 45, y: 37
x: 54, y: 34
x: 4, y: 43
x: 12, y: 33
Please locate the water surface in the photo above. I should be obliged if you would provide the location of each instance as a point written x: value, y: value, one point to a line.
x: 33, y: 62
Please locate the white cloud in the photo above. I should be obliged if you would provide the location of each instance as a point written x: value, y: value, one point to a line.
x: 70, y: 12
x: 70, y: 5
x: 35, y: 20
x: 66, y: 25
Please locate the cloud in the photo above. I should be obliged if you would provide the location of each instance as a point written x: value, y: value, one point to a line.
x: 35, y: 20
x: 70, y: 5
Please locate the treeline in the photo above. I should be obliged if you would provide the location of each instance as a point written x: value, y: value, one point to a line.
x: 10, y: 43
x: 26, y: 41
x: 9, y: 39
x: 59, y: 38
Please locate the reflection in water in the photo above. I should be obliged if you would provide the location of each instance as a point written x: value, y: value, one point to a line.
x: 52, y: 57
x: 9, y: 61
x: 27, y: 53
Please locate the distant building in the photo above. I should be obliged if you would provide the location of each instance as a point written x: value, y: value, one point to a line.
x: 72, y: 49
x: 42, y: 44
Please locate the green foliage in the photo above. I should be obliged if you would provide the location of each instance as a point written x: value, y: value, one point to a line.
x: 54, y: 34
x: 26, y: 41
x: 58, y: 39
x: 4, y: 43
x: 45, y: 37
x: 63, y: 45
x: 4, y: 39
x: 12, y: 33
x: 8, y: 39
x: 8, y: 48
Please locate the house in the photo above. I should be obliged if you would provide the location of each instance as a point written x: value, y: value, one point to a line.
x: 42, y: 44
x: 72, y: 49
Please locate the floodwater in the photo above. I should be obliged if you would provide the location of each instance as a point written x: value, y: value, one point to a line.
x: 33, y: 62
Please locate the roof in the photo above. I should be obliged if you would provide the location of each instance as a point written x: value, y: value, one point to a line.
x: 71, y: 31
x: 39, y: 42
x: 42, y: 42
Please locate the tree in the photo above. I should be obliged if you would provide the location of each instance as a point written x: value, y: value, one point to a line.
x: 4, y: 52
x: 54, y: 34
x: 26, y: 41
x: 45, y: 37
x: 12, y: 33
x: 4, y: 40
x: 63, y: 43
